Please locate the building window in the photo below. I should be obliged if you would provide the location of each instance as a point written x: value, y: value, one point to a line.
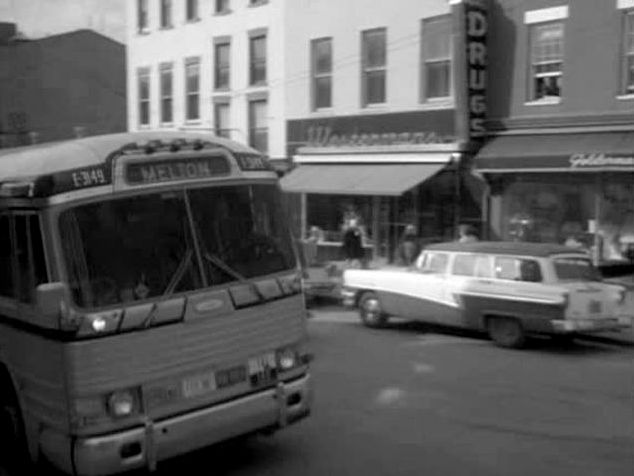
x: 628, y: 50
x: 221, y: 119
x: 222, y: 65
x: 142, y: 16
x: 321, y: 63
x: 257, y: 59
x: 436, y: 61
x: 547, y: 48
x: 222, y: 6
x: 166, y: 13
x: 143, y: 85
x: 166, y: 93
x: 192, y: 89
x: 191, y: 10
x: 374, y: 56
x: 258, y: 130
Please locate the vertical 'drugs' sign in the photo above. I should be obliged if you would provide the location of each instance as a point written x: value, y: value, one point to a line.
x: 476, y: 27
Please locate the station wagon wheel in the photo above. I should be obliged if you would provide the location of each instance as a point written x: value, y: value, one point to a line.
x: 370, y: 310
x: 506, y: 332
x: 13, y: 455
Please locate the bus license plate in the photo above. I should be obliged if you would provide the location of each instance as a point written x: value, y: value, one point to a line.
x: 262, y: 370
x: 199, y: 385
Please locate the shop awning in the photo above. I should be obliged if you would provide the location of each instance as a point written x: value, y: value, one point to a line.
x: 579, y: 152
x: 361, y: 179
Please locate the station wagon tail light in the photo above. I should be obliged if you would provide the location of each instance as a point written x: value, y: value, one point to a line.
x: 565, y: 299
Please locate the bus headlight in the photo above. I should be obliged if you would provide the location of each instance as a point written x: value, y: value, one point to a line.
x: 122, y: 403
x: 287, y: 358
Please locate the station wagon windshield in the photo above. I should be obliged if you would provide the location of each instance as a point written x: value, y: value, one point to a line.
x: 575, y: 269
x: 146, y: 246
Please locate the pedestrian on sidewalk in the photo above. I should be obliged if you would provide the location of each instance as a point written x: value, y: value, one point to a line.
x: 352, y: 244
x: 409, y: 247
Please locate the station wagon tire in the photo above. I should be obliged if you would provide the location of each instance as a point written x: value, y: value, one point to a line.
x: 13, y: 452
x: 370, y: 310
x: 506, y: 332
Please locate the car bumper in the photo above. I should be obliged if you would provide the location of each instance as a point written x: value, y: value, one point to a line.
x: 348, y: 298
x: 143, y: 447
x: 565, y: 326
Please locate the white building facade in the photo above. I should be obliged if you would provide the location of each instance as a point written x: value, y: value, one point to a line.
x: 379, y: 124
x: 212, y: 65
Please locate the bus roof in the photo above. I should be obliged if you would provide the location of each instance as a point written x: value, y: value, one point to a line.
x: 49, y: 158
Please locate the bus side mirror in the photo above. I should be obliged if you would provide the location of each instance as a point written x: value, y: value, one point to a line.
x: 52, y: 299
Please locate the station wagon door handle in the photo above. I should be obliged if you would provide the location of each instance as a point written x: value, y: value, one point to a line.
x: 485, y: 281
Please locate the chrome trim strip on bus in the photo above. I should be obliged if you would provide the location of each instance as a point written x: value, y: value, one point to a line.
x: 180, y: 434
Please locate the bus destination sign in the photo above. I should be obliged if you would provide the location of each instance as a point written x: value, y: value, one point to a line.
x: 171, y: 170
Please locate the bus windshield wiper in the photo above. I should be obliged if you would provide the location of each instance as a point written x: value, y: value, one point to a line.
x: 171, y: 287
x: 219, y: 263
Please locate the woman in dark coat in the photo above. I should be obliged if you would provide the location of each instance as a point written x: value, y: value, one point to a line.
x: 352, y: 244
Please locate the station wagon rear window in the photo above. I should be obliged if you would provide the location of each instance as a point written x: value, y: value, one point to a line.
x: 575, y: 269
x: 518, y: 269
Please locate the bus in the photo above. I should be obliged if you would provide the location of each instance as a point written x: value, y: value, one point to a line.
x: 150, y: 301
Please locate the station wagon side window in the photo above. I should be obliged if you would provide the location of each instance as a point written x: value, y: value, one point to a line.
x: 435, y: 262
x: 471, y: 265
x: 518, y: 269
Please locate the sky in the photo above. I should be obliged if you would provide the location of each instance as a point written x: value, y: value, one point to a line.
x: 38, y: 18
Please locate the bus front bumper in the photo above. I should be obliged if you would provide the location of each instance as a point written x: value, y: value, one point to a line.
x: 143, y: 447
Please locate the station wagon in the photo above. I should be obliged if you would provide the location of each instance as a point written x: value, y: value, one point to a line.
x: 508, y: 289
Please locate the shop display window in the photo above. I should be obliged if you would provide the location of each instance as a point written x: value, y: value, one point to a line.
x: 595, y: 214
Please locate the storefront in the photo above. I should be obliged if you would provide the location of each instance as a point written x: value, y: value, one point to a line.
x: 575, y: 189
x: 389, y: 180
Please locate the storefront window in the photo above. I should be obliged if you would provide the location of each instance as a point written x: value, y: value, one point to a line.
x: 585, y: 212
x: 616, y: 218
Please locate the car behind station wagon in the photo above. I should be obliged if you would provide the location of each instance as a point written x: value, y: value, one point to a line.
x: 508, y: 289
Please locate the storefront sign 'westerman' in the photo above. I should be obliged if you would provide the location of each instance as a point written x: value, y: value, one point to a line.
x: 176, y: 169
x: 476, y: 30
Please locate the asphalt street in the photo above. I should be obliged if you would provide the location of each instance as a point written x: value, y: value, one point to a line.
x: 410, y: 400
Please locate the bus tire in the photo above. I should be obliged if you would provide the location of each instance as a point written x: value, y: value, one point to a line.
x: 13, y: 455
x: 506, y: 332
x: 371, y: 311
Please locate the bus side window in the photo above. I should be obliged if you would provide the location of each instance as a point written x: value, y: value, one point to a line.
x: 6, y: 267
x: 30, y: 256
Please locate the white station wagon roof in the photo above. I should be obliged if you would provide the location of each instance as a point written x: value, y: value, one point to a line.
x: 504, y: 247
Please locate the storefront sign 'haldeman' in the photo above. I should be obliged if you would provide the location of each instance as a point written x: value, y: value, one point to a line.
x: 600, y: 160
x: 159, y: 171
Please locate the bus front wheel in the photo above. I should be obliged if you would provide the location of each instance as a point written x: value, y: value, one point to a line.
x: 13, y: 454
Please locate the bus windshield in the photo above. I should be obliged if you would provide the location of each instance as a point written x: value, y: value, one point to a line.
x: 146, y: 246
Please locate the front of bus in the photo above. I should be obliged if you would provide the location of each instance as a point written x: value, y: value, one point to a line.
x: 184, y: 301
